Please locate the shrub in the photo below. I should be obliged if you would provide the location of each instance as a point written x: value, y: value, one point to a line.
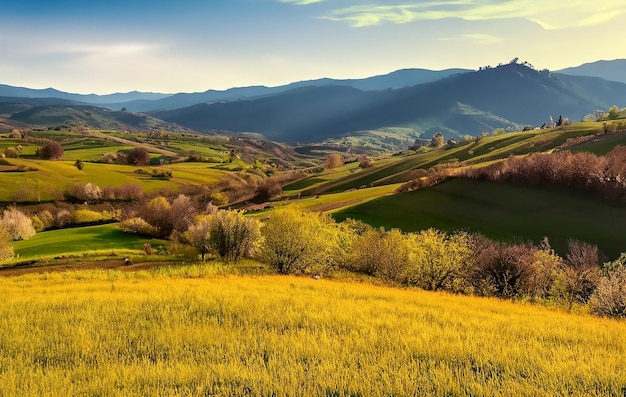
x: 84, y: 215
x: 63, y: 218
x: 17, y: 225
x: 437, y: 260
x: 182, y: 213
x: 6, y: 249
x: 139, y: 226
x: 138, y: 156
x: 609, y: 298
x: 334, y: 160
x: 83, y: 193
x: 228, y: 234
x: 269, y: 189
x: 37, y: 223
x: 157, y: 214
x: 52, y: 150
x: 577, y: 279
x: 46, y: 218
x: 381, y: 253
x: 147, y: 248
x: 295, y: 241
x: 499, y: 269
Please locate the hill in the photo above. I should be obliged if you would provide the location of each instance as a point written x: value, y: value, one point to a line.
x: 22, y: 92
x: 614, y: 70
x: 87, y: 117
x: 507, y: 97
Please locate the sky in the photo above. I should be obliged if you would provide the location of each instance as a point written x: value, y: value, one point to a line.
x: 170, y: 46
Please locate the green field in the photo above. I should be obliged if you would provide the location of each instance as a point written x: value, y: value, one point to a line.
x: 189, y: 332
x: 76, y: 241
x: 501, y: 211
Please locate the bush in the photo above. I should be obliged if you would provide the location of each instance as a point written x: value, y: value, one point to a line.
x: 334, y: 160
x: 88, y: 192
x: 63, y: 218
x: 6, y: 249
x: 500, y: 269
x: 138, y: 156
x: 52, y: 150
x: 382, y: 254
x: 139, y: 226
x: 37, y: 223
x: 228, y: 234
x: 17, y: 225
x: 84, y: 215
x: 297, y: 242
x: 609, y: 298
x: 437, y: 260
x: 578, y: 277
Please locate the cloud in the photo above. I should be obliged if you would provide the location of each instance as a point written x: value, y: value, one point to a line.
x: 301, y: 2
x: 477, y: 38
x: 556, y: 14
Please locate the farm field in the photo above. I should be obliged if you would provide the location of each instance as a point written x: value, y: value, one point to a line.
x: 195, y: 330
x: 501, y: 211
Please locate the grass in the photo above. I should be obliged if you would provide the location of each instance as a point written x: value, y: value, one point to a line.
x: 198, y: 331
x: 76, y: 241
x: 501, y: 211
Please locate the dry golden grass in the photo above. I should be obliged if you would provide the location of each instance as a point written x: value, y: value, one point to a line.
x: 196, y: 330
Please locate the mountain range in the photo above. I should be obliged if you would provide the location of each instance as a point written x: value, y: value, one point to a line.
x: 454, y: 101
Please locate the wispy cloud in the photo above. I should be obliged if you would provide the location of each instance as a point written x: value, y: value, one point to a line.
x: 477, y: 38
x: 301, y: 2
x: 556, y: 14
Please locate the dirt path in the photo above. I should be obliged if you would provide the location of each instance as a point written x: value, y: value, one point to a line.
x: 112, y: 264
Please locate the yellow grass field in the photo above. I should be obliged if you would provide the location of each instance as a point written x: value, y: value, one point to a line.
x: 201, y: 331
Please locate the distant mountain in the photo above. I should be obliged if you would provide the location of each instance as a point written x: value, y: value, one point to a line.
x: 21, y: 92
x: 469, y: 103
x: 144, y: 102
x: 608, y: 70
x: 393, y: 80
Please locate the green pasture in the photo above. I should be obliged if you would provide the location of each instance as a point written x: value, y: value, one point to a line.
x: 501, y: 211
x: 79, y: 240
x: 335, y: 201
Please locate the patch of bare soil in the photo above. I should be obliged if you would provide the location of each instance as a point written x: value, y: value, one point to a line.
x: 114, y: 264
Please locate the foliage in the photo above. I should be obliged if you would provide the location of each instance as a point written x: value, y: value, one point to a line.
x: 84, y: 215
x: 228, y: 234
x: 6, y: 249
x: 17, y: 225
x: 297, y: 242
x: 138, y: 156
x: 79, y: 165
x: 438, y: 260
x: 334, y: 160
x: 609, y: 298
x: 139, y: 226
x: 51, y: 150
x: 87, y: 192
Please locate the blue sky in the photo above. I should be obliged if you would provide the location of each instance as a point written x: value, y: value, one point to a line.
x: 190, y: 46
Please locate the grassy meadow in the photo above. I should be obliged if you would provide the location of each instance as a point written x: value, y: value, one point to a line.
x: 80, y: 241
x: 196, y: 330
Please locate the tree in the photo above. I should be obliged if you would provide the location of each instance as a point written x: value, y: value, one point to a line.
x: 609, y: 298
x: 295, y: 241
x: 15, y: 134
x: 17, y: 225
x: 334, y: 160
x: 52, y: 150
x: 437, y: 141
x: 79, y: 164
x: 182, y: 213
x: 138, y: 156
x: 614, y: 112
